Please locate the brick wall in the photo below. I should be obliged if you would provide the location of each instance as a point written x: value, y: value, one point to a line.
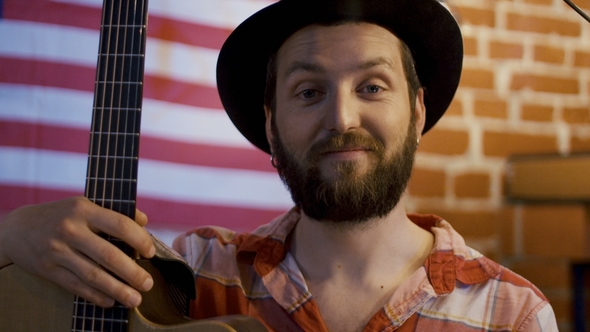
x: 525, y: 89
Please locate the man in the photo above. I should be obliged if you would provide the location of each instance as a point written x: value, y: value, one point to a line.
x: 339, y: 93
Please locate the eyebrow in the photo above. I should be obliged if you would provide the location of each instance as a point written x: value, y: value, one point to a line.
x: 302, y: 66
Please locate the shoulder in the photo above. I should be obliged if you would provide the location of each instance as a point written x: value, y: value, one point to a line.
x: 476, y: 291
x: 208, y: 241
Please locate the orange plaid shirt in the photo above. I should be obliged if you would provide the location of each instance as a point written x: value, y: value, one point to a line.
x: 457, y: 289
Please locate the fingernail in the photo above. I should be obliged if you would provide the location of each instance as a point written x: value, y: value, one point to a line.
x: 134, y: 300
x: 152, y: 252
x: 147, y: 284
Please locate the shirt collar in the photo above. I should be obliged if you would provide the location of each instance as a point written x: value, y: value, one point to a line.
x: 450, y: 259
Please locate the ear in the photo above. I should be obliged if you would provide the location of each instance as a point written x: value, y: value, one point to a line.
x: 268, y: 114
x: 420, y: 113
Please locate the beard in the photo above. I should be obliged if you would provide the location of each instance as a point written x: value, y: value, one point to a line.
x: 352, y: 197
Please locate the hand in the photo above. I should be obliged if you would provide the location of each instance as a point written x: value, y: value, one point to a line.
x: 58, y: 241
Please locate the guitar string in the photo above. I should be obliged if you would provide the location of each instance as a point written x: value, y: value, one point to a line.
x: 80, y: 303
x: 111, y: 311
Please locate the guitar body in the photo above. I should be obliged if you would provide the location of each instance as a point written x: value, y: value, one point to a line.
x: 30, y: 303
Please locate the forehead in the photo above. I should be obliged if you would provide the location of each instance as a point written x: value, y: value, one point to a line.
x: 340, y: 43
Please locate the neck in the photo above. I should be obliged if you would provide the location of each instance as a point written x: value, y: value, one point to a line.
x: 381, y: 248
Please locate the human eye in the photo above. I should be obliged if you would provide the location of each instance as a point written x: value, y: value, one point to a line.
x: 308, y: 93
x: 372, y: 88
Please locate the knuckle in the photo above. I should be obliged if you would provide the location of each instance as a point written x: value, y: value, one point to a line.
x: 66, y: 229
x: 110, y: 256
x: 78, y: 204
x: 93, y: 275
x: 122, y: 225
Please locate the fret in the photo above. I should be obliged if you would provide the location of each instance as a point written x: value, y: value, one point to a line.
x: 106, y: 133
x: 117, y: 94
x: 133, y: 12
x: 125, y: 207
x: 110, y: 167
x: 105, y: 200
x: 118, y: 146
x: 123, y: 55
x: 114, y: 157
x: 109, y: 179
x: 123, y: 41
x: 113, y: 190
x: 125, y: 109
x: 116, y: 119
x: 88, y: 317
x: 124, y: 26
x: 118, y: 82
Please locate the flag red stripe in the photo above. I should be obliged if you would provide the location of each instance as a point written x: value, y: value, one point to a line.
x: 56, y: 138
x: 161, y: 213
x: 75, y: 77
x: 45, y: 73
x: 43, y: 11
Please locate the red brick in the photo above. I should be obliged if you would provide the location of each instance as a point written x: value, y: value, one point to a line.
x: 543, y: 25
x: 579, y: 144
x: 505, y: 144
x: 554, y: 231
x: 549, y: 54
x: 470, y: 46
x: 472, y: 185
x: 545, y: 83
x: 444, y: 141
x: 582, y: 59
x: 539, y: 113
x: 576, y: 115
x: 427, y: 183
x: 456, y: 108
x: 477, y: 78
x: 476, y: 16
x: 491, y: 107
x: 502, y: 50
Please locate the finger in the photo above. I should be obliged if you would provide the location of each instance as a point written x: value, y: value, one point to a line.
x: 112, y: 259
x: 141, y: 218
x: 125, y: 229
x: 97, y: 280
x: 74, y: 284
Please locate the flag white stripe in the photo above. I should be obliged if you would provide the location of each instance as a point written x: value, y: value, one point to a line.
x: 49, y: 42
x: 160, y: 119
x: 78, y: 46
x: 159, y: 180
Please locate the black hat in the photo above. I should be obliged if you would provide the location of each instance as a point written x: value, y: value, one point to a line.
x: 428, y: 28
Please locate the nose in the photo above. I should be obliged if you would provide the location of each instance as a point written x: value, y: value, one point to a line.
x: 341, y: 113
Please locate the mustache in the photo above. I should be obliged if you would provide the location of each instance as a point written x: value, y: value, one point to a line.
x: 337, y: 142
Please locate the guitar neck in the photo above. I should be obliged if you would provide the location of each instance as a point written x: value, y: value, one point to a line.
x: 114, y: 141
x: 111, y: 177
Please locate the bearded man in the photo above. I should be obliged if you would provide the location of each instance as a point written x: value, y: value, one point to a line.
x: 339, y: 94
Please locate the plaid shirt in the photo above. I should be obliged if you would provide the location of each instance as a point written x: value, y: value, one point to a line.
x: 457, y: 289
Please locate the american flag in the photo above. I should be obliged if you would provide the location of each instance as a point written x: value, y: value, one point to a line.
x: 195, y: 168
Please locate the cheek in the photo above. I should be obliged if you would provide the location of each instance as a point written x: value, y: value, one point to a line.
x: 297, y: 133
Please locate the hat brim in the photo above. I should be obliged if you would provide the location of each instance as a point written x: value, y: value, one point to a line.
x: 429, y: 30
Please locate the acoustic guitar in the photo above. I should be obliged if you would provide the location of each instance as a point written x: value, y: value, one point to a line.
x: 29, y: 303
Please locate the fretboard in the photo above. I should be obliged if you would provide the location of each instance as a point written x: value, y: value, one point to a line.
x: 111, y: 178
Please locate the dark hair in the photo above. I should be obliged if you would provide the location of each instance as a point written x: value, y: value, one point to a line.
x: 407, y: 62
